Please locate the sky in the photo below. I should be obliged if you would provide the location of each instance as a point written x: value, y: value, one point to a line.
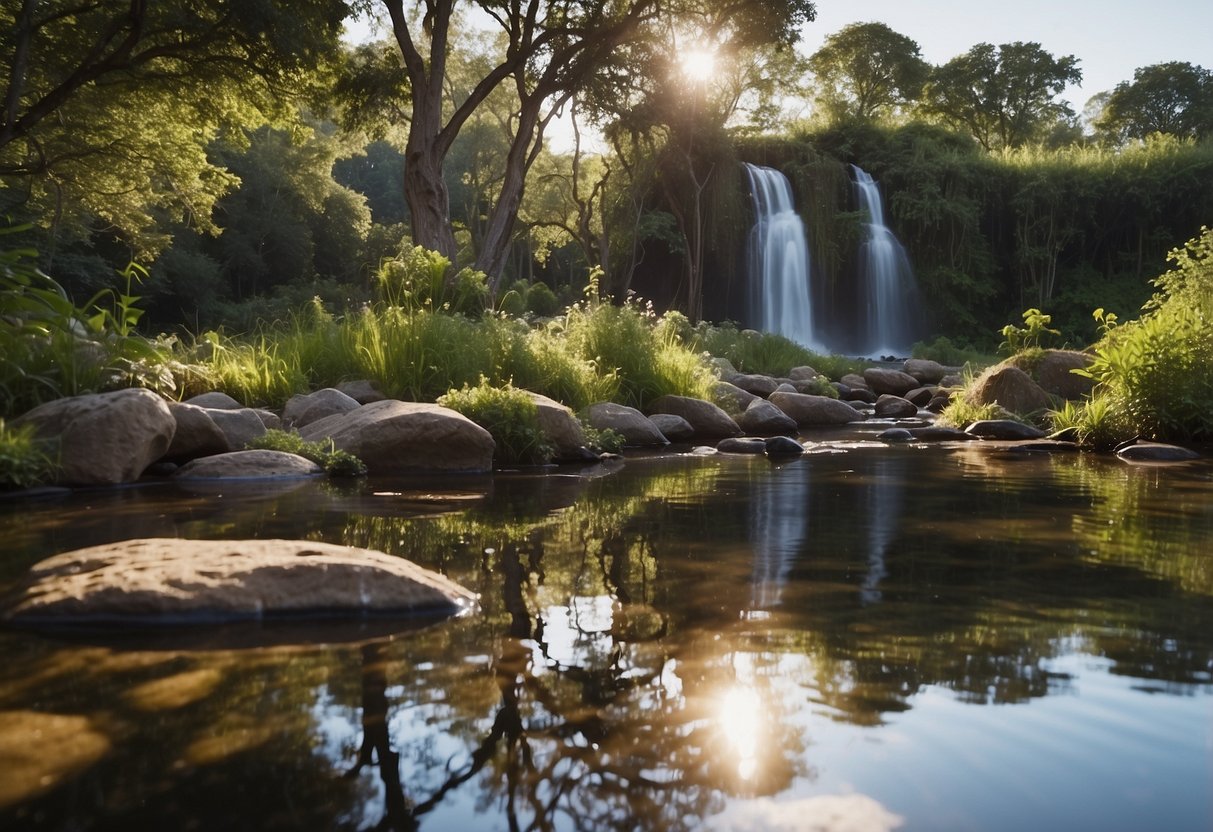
x: 1111, y: 38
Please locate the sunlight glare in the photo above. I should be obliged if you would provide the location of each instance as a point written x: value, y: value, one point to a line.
x: 739, y: 716
x: 698, y: 65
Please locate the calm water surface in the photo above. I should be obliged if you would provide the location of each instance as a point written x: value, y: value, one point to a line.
x: 865, y: 639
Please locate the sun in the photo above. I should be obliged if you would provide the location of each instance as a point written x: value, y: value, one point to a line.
x: 698, y: 65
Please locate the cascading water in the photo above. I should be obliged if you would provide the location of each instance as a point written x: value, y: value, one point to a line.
x: 888, y: 293
x: 779, y: 261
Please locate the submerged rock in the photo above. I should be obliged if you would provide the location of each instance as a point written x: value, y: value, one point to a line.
x: 779, y: 447
x: 172, y: 581
x: 1156, y: 452
x: 741, y: 445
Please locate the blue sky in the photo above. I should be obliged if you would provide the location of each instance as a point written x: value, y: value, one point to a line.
x: 1110, y: 38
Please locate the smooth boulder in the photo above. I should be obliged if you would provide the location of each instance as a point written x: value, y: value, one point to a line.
x: 304, y: 408
x: 254, y: 464
x: 173, y: 581
x: 560, y: 427
x: 882, y: 380
x: 637, y: 430
x: 104, y: 438
x: 1009, y: 387
x: 196, y: 434
x: 894, y: 407
x: 674, y: 428
x: 809, y: 410
x: 762, y: 418
x: 706, y: 419
x: 394, y: 437
x: 1003, y: 429
x: 1156, y: 452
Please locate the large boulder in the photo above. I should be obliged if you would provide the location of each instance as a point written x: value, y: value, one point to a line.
x: 196, y: 433
x: 636, y: 429
x: 762, y: 418
x: 239, y: 426
x: 254, y: 464
x: 674, y: 428
x: 754, y: 384
x: 1156, y: 452
x: 925, y: 370
x: 560, y: 427
x: 1053, y: 371
x: 1003, y: 429
x: 105, y: 438
x: 399, y: 437
x: 173, y: 581
x: 305, y: 408
x: 895, y: 382
x: 706, y: 419
x: 809, y: 410
x: 731, y: 398
x: 1009, y: 387
x: 214, y: 400
x: 803, y: 373
x: 894, y: 407
x: 362, y: 391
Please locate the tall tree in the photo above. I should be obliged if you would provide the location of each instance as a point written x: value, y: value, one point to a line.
x: 1006, y: 95
x: 866, y: 70
x: 1174, y: 97
x: 108, y: 105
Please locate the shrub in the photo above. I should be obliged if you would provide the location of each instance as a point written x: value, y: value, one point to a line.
x: 509, y: 415
x: 1030, y: 336
x: 767, y: 353
x: 334, y: 462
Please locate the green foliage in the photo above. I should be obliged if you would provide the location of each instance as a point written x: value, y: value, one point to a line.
x: 420, y: 279
x: 1155, y: 374
x: 866, y: 70
x: 509, y: 415
x: 1174, y: 97
x: 325, y: 454
x: 766, y: 353
x: 960, y: 413
x: 1095, y: 422
x: 23, y: 460
x: 944, y: 351
x: 605, y: 440
x: 1029, y: 336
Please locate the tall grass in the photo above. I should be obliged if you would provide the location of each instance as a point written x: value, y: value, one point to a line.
x: 766, y: 353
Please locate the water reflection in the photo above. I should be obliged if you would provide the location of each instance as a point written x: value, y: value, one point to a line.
x: 619, y: 678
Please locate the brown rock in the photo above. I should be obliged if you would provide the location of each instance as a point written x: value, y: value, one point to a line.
x: 815, y: 410
x: 925, y: 370
x: 636, y: 429
x: 706, y: 419
x: 804, y: 373
x: 1009, y: 387
x: 762, y: 418
x: 560, y: 427
x: 361, y: 391
x: 305, y: 408
x: 196, y: 434
x: 881, y: 380
x: 1053, y: 371
x: 169, y: 581
x: 894, y: 407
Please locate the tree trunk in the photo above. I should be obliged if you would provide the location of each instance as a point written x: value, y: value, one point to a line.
x: 426, y: 194
x: 495, y: 247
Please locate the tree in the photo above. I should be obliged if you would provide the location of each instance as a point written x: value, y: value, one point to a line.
x: 866, y: 70
x: 1005, y: 96
x: 109, y: 104
x: 1174, y: 97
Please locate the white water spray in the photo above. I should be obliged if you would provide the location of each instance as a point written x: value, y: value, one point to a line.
x: 887, y: 290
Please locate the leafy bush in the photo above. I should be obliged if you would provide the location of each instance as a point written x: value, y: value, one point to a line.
x: 767, y: 353
x: 943, y: 351
x: 23, y: 460
x: 416, y: 279
x: 334, y: 462
x: 509, y: 415
x: 1030, y: 335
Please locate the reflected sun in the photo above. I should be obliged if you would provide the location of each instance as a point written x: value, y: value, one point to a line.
x: 739, y: 718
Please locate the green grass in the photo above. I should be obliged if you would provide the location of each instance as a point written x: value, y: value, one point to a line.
x: 24, y: 461
x: 334, y: 462
x: 509, y: 415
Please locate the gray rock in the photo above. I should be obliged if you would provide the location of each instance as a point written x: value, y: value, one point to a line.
x: 1009, y: 387
x: 214, y: 401
x: 560, y: 427
x: 854, y: 380
x: 1003, y: 429
x: 815, y: 410
x: 953, y: 380
x: 741, y: 445
x: 1156, y: 452
x: 722, y: 367
x: 896, y: 435
x: 1053, y: 371
x: 305, y: 408
x: 939, y: 433
x: 803, y: 373
x: 673, y: 428
x: 1045, y: 446
x: 920, y: 396
x: 269, y: 419
x: 104, y: 438
x: 173, y: 581
x: 707, y: 420
x: 894, y: 407
x: 239, y: 426
x: 861, y: 394
x: 758, y: 385
x: 762, y: 418
x: 779, y: 447
x: 196, y: 434
x: 787, y: 388
x: 361, y: 391
x: 731, y: 398
x: 637, y: 430
x: 394, y: 437
x: 881, y: 380
x: 255, y: 464
x: 925, y: 370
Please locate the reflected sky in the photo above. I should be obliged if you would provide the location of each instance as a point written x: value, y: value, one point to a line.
x: 874, y: 639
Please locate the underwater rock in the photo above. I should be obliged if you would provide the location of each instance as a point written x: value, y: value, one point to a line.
x: 1156, y: 452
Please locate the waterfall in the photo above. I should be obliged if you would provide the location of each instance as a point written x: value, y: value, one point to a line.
x: 778, y: 261
x: 888, y: 294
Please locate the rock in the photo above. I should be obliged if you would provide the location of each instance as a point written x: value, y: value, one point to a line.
x: 939, y: 433
x: 706, y: 419
x: 739, y: 445
x: 731, y: 398
x: 953, y: 380
x: 894, y: 407
x: 269, y: 419
x: 854, y: 380
x: 758, y: 385
x: 254, y: 464
x: 1045, y: 446
x: 394, y: 437
x: 788, y: 388
x: 896, y: 435
x: 925, y: 370
x: 762, y: 418
x: 815, y: 410
x: 881, y: 380
x: 214, y: 401
x: 1009, y: 387
x: 305, y: 408
x: 722, y: 367
x: 637, y: 430
x: 783, y: 446
x: 920, y: 396
x: 938, y: 402
x: 173, y: 581
x: 560, y: 427
x: 1052, y: 371
x: 673, y: 428
x: 196, y: 434
x: 1003, y: 429
x: 803, y: 373
x: 861, y: 394
x: 812, y: 386
x: 104, y: 438
x: 239, y: 426
x: 1156, y: 452
x: 361, y: 391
